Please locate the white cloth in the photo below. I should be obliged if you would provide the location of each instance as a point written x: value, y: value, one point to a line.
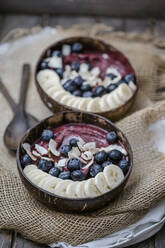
x: 150, y: 224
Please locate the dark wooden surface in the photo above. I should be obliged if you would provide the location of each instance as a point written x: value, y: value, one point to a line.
x: 11, y: 239
x: 138, y: 8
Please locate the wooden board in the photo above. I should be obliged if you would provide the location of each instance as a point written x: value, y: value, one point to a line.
x: 111, y: 8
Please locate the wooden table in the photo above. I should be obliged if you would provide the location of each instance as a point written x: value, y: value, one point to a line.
x: 11, y: 239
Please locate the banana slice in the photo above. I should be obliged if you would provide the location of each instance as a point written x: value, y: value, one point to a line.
x: 110, y: 101
x: 113, y: 175
x: 37, y: 178
x: 71, y: 101
x: 90, y: 188
x: 103, y: 104
x: 61, y: 187
x: 58, y: 94
x: 71, y: 190
x: 124, y: 92
x: 29, y: 168
x: 47, y: 75
x: 49, y: 183
x: 33, y: 172
x: 82, y: 105
x: 80, y: 191
x: 64, y: 99
x: 94, y: 105
x: 101, y: 183
x: 117, y: 99
x: 47, y: 85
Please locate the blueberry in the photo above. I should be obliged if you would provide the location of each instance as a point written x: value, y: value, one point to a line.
x: 99, y: 91
x: 73, y: 142
x: 26, y: 159
x: 106, y: 163
x: 95, y: 169
x: 55, y: 171
x: 75, y: 66
x: 74, y: 164
x: 115, y: 156
x: 45, y: 165
x: 60, y: 72
x: 85, y: 87
x: 101, y: 157
x: 78, y: 175
x: 130, y: 78
x: 87, y: 94
x: 77, y: 47
x: 111, y: 137
x: 90, y: 67
x: 78, y: 81
x: 47, y: 135
x: 69, y: 86
x: 111, y: 87
x: 44, y: 65
x: 65, y: 175
x: 77, y: 93
x: 57, y: 53
x: 124, y: 165
x: 65, y: 149
x: 111, y: 76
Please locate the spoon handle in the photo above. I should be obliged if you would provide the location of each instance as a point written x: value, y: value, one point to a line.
x: 24, y: 86
x: 9, y: 99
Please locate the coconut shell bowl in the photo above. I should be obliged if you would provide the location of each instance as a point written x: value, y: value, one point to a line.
x: 108, y: 68
x: 69, y: 204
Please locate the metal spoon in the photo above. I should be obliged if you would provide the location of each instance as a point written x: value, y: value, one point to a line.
x: 21, y: 121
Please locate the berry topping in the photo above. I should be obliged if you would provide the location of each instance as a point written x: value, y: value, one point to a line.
x: 74, y: 164
x: 99, y: 91
x: 124, y: 165
x: 111, y: 87
x: 77, y: 47
x: 106, y: 163
x: 130, y: 78
x: 77, y: 93
x: 54, y: 171
x: 111, y: 137
x: 60, y: 72
x: 78, y: 81
x: 26, y: 159
x: 65, y: 149
x: 111, y: 76
x: 57, y: 53
x: 85, y: 87
x: 65, y: 175
x: 95, y: 170
x: 87, y: 94
x: 115, y: 156
x: 78, y: 175
x: 47, y: 135
x: 69, y: 86
x: 75, y: 66
x: 45, y: 165
x: 101, y: 157
x: 73, y: 142
x: 44, y: 65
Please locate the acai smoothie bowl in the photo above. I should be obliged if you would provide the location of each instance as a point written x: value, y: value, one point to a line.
x: 86, y: 74
x: 74, y: 161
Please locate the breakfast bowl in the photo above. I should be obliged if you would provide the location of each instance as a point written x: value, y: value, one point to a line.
x: 74, y: 161
x: 86, y: 74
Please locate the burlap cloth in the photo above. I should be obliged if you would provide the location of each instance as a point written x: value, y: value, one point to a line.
x: 146, y: 186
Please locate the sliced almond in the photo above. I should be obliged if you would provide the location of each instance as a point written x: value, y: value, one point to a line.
x: 114, y: 147
x: 89, y: 164
x: 52, y: 147
x: 27, y: 148
x: 74, y: 152
x: 62, y: 162
x: 89, y: 146
x: 87, y: 155
x: 66, y: 50
x: 35, y: 153
x: 41, y: 149
x: 48, y: 159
